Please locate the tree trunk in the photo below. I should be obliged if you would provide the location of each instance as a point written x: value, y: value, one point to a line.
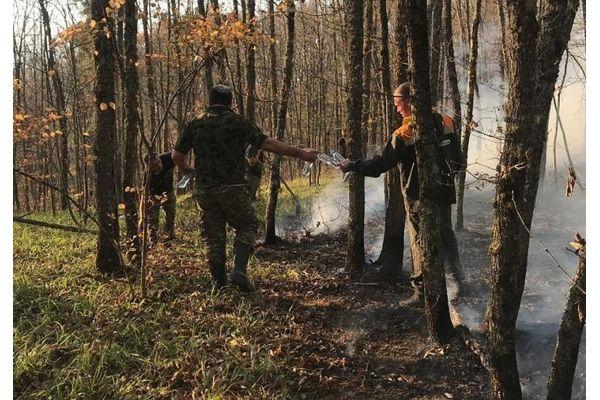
x: 451, y: 66
x: 16, y: 204
x: 503, y: 59
x: 471, y: 83
x: 400, y: 33
x: 63, y: 160
x: 107, y: 259
x: 428, y: 239
x: 208, y: 67
x: 131, y: 80
x: 557, y: 121
x: 181, y: 97
x: 273, y: 64
x: 251, y: 68
x: 367, y: 75
x: 435, y: 22
x: 149, y: 68
x: 270, y: 236
x: 532, y: 73
x: 355, y: 257
x: 564, y: 361
x: 239, y: 93
x: 392, y: 250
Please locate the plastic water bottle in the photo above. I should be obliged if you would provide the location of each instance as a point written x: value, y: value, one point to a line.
x: 307, y: 168
x: 187, y: 178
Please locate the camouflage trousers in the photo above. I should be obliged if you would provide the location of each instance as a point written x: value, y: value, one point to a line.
x: 168, y: 204
x: 450, y: 256
x: 253, y: 185
x: 221, y: 205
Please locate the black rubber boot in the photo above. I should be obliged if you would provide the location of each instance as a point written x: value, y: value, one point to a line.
x: 238, y: 275
x: 219, y: 276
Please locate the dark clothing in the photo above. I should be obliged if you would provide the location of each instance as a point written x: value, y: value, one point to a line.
x: 222, y: 205
x: 168, y: 204
x: 396, y: 151
x: 257, y: 168
x: 219, y: 138
x: 163, y: 182
x: 342, y: 147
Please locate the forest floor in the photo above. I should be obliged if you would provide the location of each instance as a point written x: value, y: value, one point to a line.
x: 309, y: 332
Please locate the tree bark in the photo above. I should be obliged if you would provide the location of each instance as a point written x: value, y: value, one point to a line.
x: 63, y: 159
x: 564, y: 361
x: 400, y: 33
x: 150, y: 76
x: 238, y: 69
x: 180, y: 98
x: 270, y: 236
x: 273, y: 63
x: 392, y: 250
x: 131, y: 80
x: 435, y: 22
x: 532, y: 72
x: 451, y: 66
x: 355, y: 257
x: 367, y: 75
x: 471, y: 84
x: 107, y: 258
x: 428, y: 239
x: 251, y: 68
x: 502, y: 20
x: 208, y: 68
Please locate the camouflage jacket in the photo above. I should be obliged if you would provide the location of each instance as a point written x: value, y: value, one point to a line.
x: 219, y: 138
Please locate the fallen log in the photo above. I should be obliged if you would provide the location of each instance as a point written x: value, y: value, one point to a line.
x: 53, y: 226
x: 468, y: 339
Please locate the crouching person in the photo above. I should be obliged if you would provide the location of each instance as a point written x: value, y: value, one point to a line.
x: 162, y: 195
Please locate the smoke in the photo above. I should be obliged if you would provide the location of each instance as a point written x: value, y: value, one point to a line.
x: 555, y: 222
x: 329, y: 211
x: 556, y: 218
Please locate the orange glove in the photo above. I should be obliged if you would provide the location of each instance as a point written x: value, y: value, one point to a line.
x: 405, y: 132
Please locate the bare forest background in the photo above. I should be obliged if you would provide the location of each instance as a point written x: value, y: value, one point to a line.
x: 97, y: 85
x: 54, y: 105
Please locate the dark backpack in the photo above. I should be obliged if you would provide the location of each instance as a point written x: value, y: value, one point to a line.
x: 449, y: 144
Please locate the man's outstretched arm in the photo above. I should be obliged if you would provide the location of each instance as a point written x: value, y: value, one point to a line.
x: 277, y: 147
x: 373, y: 167
x: 179, y: 160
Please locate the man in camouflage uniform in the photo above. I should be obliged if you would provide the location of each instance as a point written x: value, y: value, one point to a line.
x: 400, y: 150
x: 219, y: 138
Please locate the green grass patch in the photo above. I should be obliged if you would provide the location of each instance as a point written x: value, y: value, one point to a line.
x: 79, y: 335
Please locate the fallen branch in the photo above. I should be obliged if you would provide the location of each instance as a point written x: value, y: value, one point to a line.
x: 468, y: 338
x: 298, y: 209
x: 51, y: 186
x: 53, y: 226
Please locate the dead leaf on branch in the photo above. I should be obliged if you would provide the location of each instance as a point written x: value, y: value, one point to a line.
x: 571, y: 179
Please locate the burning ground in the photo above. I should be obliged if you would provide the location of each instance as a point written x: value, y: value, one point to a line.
x: 555, y: 223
